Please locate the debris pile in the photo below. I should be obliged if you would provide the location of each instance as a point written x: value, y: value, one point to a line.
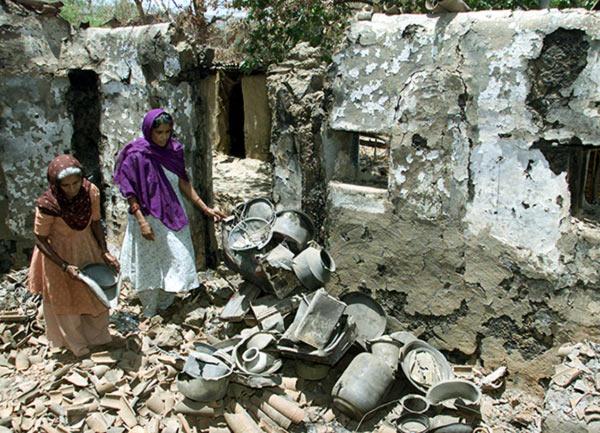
x: 274, y: 352
x: 572, y: 402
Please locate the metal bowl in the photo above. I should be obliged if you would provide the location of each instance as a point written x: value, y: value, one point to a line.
x: 102, y: 281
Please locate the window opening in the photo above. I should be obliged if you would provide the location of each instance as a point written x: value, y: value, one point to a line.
x: 373, y: 159
x: 582, y: 165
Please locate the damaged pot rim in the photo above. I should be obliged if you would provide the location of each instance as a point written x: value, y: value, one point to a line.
x: 448, y: 390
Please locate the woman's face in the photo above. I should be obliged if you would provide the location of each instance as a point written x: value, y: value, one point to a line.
x: 161, y: 134
x: 71, y: 185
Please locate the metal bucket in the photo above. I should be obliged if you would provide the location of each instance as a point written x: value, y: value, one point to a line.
x: 313, y: 267
x: 362, y: 385
x: 294, y: 226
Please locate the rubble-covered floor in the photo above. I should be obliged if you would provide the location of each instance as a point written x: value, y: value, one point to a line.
x: 130, y: 385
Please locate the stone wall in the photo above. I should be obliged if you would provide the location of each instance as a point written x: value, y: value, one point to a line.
x: 133, y: 69
x: 477, y: 244
x: 34, y: 120
x: 297, y: 99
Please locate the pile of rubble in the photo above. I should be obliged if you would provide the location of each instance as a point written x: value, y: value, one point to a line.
x: 269, y: 352
x: 572, y: 402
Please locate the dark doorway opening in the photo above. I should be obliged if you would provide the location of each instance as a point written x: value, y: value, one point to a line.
x: 83, y: 101
x: 236, y: 121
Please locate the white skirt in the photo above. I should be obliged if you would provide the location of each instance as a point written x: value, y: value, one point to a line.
x: 167, y: 263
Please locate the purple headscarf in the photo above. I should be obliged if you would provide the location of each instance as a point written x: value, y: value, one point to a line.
x: 139, y: 174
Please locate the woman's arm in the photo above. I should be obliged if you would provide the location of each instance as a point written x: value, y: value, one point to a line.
x: 136, y: 211
x: 101, y: 239
x: 188, y: 190
x: 44, y: 246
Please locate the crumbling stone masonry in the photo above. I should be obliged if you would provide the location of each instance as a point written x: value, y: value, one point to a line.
x: 86, y: 92
x: 486, y: 241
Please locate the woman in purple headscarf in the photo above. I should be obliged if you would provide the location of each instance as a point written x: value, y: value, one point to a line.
x: 157, y: 256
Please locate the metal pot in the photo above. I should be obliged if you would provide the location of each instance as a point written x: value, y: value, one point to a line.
x: 259, y: 208
x: 388, y: 350
x: 414, y: 424
x: 210, y: 386
x: 313, y: 267
x: 414, y: 404
x: 255, y: 347
x: 362, y: 386
x: 294, y: 226
x: 468, y: 392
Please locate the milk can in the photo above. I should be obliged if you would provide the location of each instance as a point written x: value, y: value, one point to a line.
x: 362, y: 385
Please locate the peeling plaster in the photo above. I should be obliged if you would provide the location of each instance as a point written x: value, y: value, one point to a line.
x: 478, y: 236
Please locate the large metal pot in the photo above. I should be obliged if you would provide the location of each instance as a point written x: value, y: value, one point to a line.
x: 362, y: 385
x: 294, y: 226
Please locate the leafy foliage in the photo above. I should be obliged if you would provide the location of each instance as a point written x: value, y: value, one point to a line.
x: 97, y: 12
x: 275, y: 26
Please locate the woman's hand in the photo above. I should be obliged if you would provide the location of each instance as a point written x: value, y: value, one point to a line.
x: 146, y: 230
x: 214, y: 213
x: 111, y: 261
x: 72, y: 271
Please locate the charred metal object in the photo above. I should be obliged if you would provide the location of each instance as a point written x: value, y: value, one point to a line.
x: 424, y: 366
x: 294, y: 226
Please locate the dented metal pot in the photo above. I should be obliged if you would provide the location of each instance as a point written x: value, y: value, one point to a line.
x: 362, y: 386
x: 313, y: 267
x: 212, y: 382
x: 294, y: 226
x: 450, y: 390
x: 387, y: 349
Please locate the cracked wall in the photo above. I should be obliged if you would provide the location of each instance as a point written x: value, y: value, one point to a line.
x: 137, y: 68
x: 296, y: 91
x: 473, y: 246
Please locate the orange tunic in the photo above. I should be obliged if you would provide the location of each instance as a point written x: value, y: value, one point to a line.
x: 77, y: 247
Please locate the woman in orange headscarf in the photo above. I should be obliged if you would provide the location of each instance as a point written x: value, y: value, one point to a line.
x: 69, y: 235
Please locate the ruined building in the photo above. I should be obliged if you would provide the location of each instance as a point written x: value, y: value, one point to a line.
x: 451, y: 160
